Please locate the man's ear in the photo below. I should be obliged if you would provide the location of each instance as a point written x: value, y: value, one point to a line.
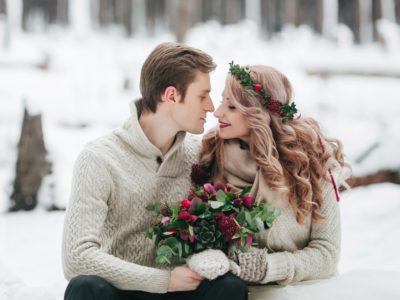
x: 171, y: 94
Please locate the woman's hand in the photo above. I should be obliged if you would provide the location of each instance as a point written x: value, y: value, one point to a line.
x: 184, y: 279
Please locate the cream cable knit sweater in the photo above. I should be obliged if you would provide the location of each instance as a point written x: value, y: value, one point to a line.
x: 115, y: 177
x: 292, y: 252
x: 296, y: 252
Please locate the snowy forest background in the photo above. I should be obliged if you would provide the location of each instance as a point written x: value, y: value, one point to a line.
x: 76, y: 63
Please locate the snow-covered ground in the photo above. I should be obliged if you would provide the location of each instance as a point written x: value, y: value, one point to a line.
x: 81, y: 97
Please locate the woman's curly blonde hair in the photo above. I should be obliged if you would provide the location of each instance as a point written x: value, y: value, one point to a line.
x: 288, y: 153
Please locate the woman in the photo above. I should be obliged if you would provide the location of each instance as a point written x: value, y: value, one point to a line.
x: 261, y: 140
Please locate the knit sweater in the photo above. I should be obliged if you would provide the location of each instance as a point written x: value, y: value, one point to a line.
x: 291, y: 252
x: 115, y: 177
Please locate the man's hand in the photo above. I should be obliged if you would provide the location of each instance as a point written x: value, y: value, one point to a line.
x: 183, y: 279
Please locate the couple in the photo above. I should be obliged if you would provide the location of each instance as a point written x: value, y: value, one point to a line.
x: 259, y: 141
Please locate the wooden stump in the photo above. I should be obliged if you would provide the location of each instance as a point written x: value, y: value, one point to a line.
x: 31, y: 165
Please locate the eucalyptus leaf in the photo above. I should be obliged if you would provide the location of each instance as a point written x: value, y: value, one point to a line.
x: 215, y: 204
x: 221, y: 196
x: 246, y: 190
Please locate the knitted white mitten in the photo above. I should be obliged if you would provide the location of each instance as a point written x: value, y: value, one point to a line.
x: 209, y: 263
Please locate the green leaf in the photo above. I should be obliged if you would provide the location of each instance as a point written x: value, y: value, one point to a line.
x: 232, y: 249
x: 162, y: 260
x: 246, y: 190
x: 199, y: 192
x: 206, y: 215
x: 175, y: 212
x: 259, y: 223
x: 248, y: 217
x: 172, y: 242
x: 166, y: 233
x: 229, y: 196
x: 215, y: 204
x: 241, y: 217
x: 200, y: 209
x: 191, y: 233
x: 221, y: 196
x: 166, y: 251
x: 186, y: 249
x: 150, y: 233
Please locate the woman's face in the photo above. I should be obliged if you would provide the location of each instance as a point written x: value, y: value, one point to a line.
x: 232, y: 122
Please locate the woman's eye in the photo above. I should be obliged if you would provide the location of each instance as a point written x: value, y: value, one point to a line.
x: 231, y: 107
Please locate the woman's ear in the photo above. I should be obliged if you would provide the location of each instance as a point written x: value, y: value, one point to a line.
x: 170, y: 95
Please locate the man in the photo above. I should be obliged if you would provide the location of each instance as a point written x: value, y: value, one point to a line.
x: 106, y: 254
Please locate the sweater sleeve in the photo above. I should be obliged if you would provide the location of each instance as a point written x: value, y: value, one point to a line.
x: 82, y: 252
x: 319, y: 258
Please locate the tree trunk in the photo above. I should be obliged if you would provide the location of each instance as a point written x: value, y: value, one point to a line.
x: 349, y: 15
x: 3, y: 8
x: 31, y: 165
x: 181, y: 18
x: 124, y: 14
x: 397, y: 10
x: 377, y: 177
x: 272, y: 16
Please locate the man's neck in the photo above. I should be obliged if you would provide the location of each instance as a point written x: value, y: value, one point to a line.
x: 160, y: 132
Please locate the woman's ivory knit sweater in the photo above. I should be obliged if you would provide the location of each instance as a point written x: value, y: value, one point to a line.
x: 115, y: 177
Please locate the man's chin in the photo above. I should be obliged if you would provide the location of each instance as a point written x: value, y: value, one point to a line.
x: 196, y: 131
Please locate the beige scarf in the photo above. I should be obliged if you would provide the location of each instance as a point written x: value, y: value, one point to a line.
x: 240, y: 169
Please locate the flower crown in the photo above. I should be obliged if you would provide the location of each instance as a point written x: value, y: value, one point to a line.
x: 286, y: 111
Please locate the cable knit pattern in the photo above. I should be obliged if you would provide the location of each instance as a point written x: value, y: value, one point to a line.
x: 115, y: 178
x: 252, y: 264
x: 210, y: 263
x: 296, y: 252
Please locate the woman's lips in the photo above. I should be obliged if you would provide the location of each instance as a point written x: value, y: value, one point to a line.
x: 223, y: 125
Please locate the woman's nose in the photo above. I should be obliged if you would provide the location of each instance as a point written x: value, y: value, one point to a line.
x: 218, y: 112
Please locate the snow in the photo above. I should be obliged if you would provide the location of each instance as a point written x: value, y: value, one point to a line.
x: 81, y: 97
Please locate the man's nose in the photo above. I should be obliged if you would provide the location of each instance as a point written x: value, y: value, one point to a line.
x: 210, y: 105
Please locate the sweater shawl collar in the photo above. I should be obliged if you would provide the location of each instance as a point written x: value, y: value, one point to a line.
x: 132, y: 134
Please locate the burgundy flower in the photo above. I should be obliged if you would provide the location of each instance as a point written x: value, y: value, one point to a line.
x: 172, y: 229
x: 237, y: 203
x: 221, y: 186
x: 257, y: 87
x: 200, y: 173
x: 185, y: 204
x: 249, y: 239
x: 228, y: 226
x: 208, y: 188
x: 274, y: 106
x: 183, y: 234
x: 192, y: 194
x: 184, y: 215
x: 248, y: 201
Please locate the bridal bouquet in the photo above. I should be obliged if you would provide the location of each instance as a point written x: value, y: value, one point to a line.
x: 211, y: 217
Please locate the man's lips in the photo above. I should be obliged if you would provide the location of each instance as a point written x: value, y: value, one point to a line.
x: 223, y: 125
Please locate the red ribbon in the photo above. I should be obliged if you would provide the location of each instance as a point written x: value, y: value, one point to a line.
x: 330, y: 172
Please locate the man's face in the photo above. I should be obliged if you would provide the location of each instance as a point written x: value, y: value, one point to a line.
x: 190, y: 114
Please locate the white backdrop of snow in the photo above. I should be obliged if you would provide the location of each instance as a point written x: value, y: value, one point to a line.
x: 81, y: 97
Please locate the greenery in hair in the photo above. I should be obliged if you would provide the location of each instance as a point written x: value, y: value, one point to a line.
x: 286, y: 111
